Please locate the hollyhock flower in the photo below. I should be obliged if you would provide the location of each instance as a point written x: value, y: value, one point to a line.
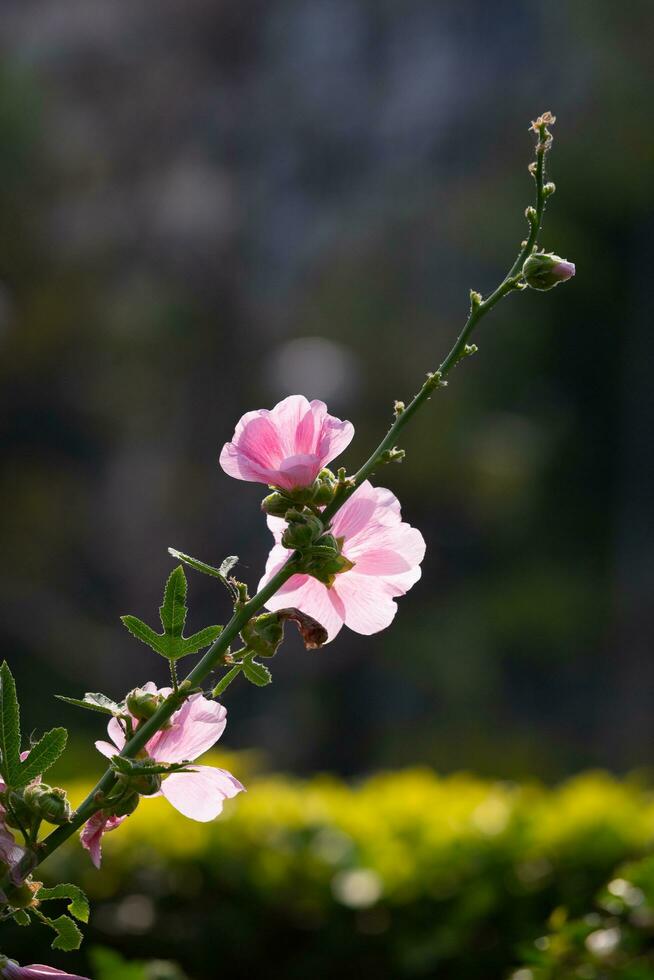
x: 12, y: 971
x: 287, y: 446
x: 199, y: 794
x: 385, y: 555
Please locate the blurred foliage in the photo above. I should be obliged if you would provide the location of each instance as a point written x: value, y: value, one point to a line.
x: 614, y: 942
x: 207, y: 209
x: 405, y: 874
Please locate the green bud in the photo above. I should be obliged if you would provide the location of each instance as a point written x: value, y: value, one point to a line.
x: 543, y: 270
x: 142, y: 704
x: 50, y: 803
x: 139, y: 780
x: 276, y: 504
x: 21, y: 896
x: 18, y: 813
x: 122, y: 805
x: 263, y: 634
x: 301, y: 531
x: 323, y: 488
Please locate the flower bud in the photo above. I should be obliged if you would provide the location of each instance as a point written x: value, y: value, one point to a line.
x: 21, y: 896
x: 142, y: 704
x: 139, y: 780
x: 50, y: 803
x: 18, y: 814
x: 323, y: 488
x: 301, y: 531
x: 275, y: 504
x: 122, y: 805
x: 263, y: 634
x: 543, y: 270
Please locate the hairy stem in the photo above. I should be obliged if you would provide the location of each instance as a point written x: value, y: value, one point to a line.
x: 215, y: 655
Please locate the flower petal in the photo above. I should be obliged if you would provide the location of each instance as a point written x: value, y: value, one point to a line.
x: 313, y: 598
x: 200, y: 794
x: 197, y: 726
x: 368, y: 603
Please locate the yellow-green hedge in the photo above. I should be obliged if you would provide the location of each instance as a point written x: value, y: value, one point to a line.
x: 404, y: 874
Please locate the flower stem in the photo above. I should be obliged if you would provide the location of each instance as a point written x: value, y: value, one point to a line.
x: 245, y: 611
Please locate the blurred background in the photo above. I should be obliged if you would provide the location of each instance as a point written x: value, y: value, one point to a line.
x: 207, y: 206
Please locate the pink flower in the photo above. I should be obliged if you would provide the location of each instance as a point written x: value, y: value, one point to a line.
x: 287, y: 446
x: 199, y: 794
x: 93, y: 831
x: 12, y: 971
x: 385, y: 555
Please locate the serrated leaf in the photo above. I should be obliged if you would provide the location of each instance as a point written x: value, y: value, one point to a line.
x: 172, y: 644
x: 78, y: 904
x: 144, y: 633
x: 69, y: 936
x: 94, y: 702
x: 9, y: 726
x: 42, y: 755
x: 256, y: 673
x: 202, y: 639
x: 173, y: 610
x: 21, y: 918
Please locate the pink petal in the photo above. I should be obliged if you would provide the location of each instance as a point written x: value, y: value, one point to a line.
x: 93, y: 831
x: 314, y: 599
x: 369, y: 607
x: 194, y: 728
x: 15, y: 972
x: 107, y: 748
x: 200, y: 794
x: 336, y: 436
x: 294, y: 423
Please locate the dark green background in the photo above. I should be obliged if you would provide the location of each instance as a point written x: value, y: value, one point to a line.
x: 206, y: 206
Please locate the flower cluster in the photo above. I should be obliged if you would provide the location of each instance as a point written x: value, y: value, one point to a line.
x: 379, y: 555
x: 199, y: 792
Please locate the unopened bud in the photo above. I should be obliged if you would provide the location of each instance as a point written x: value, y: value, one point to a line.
x: 549, y: 188
x: 142, y: 704
x: 18, y: 814
x: 122, y: 805
x: 50, y: 803
x: 323, y: 488
x: 263, y: 634
x: 302, y: 530
x: 543, y: 270
x: 275, y: 504
x: 22, y: 896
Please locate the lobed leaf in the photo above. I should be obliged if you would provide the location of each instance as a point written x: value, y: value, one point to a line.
x: 9, y: 726
x: 78, y: 904
x: 144, y: 633
x: 172, y: 644
x: 69, y: 936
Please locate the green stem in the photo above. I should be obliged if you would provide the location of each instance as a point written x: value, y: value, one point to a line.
x: 244, y: 612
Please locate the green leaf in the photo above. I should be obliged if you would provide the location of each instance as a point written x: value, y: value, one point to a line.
x: 256, y: 673
x: 69, y: 936
x: 144, y: 633
x: 78, y: 904
x: 42, y: 755
x: 21, y: 918
x: 202, y: 639
x: 172, y: 644
x: 201, y: 566
x: 94, y: 702
x: 173, y: 611
x: 9, y: 726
